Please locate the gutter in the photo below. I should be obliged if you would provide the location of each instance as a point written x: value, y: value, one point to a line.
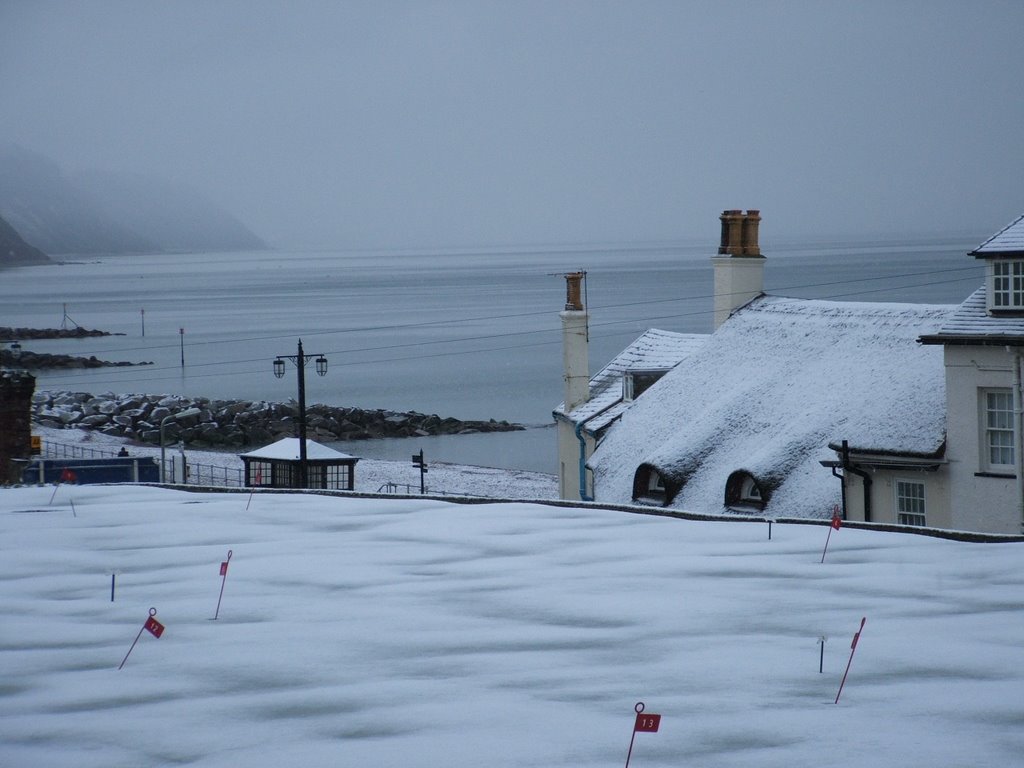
x: 847, y: 466
x: 578, y: 429
x: 1018, y: 434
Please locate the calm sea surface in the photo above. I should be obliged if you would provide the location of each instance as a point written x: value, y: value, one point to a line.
x: 469, y: 334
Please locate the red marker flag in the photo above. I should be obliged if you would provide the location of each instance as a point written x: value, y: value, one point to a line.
x: 644, y: 723
x: 835, y: 525
x: 224, y: 568
x: 647, y: 723
x: 154, y: 627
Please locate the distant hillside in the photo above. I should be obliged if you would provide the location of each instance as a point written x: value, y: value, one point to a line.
x: 14, y: 251
x: 106, y: 213
x: 175, y: 217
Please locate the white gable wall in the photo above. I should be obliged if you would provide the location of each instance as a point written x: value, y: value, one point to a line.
x: 979, y: 500
x: 883, y: 496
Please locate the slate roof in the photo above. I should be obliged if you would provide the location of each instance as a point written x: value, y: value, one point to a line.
x: 1007, y: 242
x: 653, y: 350
x: 771, y: 388
x: 287, y: 449
x: 972, y: 324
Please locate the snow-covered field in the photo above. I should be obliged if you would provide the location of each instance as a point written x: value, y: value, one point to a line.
x: 416, y: 632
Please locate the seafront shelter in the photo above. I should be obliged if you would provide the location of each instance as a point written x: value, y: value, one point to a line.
x: 278, y: 466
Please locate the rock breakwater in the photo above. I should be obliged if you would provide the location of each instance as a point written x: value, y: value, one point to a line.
x: 237, y: 423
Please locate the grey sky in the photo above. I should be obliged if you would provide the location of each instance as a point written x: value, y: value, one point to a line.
x: 426, y: 124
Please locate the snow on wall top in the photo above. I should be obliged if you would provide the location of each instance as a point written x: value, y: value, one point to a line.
x: 287, y: 449
x: 654, y: 349
x: 1009, y: 240
x: 770, y: 389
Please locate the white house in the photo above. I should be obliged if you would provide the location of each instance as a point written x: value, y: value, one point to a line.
x: 982, y: 346
x: 592, y: 405
x: 793, y: 407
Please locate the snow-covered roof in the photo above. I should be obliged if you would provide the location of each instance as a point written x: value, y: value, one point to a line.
x: 653, y: 350
x: 767, y: 393
x: 287, y: 449
x: 1008, y: 241
x: 972, y: 324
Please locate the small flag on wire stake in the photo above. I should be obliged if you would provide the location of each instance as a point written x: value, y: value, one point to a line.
x: 853, y: 650
x: 152, y: 625
x: 66, y: 476
x: 257, y: 481
x: 835, y: 525
x: 224, y: 578
x: 644, y: 723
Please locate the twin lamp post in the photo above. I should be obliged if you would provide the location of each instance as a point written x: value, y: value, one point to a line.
x: 300, y: 361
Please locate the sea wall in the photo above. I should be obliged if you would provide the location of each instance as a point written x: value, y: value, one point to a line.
x: 236, y: 423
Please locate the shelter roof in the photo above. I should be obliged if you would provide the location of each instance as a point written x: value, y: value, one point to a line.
x: 287, y: 449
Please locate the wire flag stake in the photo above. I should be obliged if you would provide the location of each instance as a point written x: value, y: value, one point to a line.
x: 224, y: 574
x: 835, y: 525
x: 853, y: 650
x: 154, y: 627
x: 643, y: 723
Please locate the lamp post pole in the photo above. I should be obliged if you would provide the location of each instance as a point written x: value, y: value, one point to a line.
x: 300, y: 361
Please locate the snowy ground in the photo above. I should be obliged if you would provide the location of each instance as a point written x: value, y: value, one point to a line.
x: 407, y: 633
x: 371, y: 475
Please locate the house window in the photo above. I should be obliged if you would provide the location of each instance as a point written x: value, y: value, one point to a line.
x: 1007, y: 285
x: 636, y: 382
x: 998, y: 425
x: 909, y: 502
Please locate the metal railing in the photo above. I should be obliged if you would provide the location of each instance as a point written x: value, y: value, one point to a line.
x: 197, y: 474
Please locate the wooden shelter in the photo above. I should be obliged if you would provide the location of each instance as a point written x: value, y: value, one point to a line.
x: 277, y: 466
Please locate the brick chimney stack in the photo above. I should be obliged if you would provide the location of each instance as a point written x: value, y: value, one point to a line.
x: 739, y: 266
x: 16, y: 390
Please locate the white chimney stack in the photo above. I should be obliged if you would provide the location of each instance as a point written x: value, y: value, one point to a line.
x: 575, y: 358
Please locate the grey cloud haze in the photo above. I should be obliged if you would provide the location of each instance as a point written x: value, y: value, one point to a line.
x: 431, y: 124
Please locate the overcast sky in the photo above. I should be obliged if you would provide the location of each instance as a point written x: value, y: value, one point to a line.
x: 427, y: 124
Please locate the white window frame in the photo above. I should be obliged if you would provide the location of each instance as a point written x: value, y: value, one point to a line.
x: 910, y: 502
x: 1006, y: 285
x: 997, y: 437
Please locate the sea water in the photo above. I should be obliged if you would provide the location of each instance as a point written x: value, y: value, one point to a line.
x: 473, y: 334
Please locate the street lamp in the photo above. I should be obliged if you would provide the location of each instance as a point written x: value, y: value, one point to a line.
x: 167, y: 420
x: 300, y: 361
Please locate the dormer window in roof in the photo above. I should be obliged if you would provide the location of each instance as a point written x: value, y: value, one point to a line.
x: 635, y: 382
x: 650, y: 487
x: 1005, y: 285
x: 744, y: 493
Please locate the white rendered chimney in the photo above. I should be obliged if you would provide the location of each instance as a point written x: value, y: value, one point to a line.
x: 739, y: 267
x: 574, y: 343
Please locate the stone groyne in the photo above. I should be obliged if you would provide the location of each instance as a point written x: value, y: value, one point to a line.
x: 236, y: 423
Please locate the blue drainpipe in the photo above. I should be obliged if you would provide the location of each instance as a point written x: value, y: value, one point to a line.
x: 584, y: 496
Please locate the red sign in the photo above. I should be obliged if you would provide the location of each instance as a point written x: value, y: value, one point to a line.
x: 67, y: 476
x: 647, y: 723
x: 154, y: 627
x: 224, y: 568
